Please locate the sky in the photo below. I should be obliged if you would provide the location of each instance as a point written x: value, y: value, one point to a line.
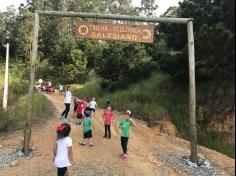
x: 163, y: 5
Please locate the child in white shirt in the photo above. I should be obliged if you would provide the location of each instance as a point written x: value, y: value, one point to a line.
x: 62, y: 150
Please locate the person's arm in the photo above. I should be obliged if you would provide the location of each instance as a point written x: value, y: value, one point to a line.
x: 133, y: 122
x: 92, y: 125
x: 70, y: 154
x: 112, y: 118
x: 119, y: 126
x: 103, y: 117
x: 54, y: 151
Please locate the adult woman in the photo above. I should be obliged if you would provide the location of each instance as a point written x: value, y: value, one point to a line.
x: 67, y: 102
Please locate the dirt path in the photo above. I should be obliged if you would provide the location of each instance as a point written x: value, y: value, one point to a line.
x: 102, y: 159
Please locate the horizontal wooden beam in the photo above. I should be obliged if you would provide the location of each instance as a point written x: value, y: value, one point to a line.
x: 115, y: 17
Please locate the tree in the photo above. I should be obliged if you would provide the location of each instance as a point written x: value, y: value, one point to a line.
x: 148, y: 7
x: 123, y: 63
x: 214, y: 31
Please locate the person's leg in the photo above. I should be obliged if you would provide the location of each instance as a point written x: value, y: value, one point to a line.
x: 67, y: 173
x: 63, y: 113
x: 80, y: 119
x: 126, y: 145
x: 90, y: 137
x: 67, y: 110
x: 91, y: 141
x: 105, y: 135
x: 61, y: 171
x: 82, y: 142
x: 122, y: 144
x: 109, y: 131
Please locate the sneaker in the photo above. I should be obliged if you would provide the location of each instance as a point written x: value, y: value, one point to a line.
x: 65, y: 120
x: 124, y: 157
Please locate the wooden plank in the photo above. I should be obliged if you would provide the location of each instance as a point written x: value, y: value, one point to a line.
x: 115, y: 17
x: 120, y: 32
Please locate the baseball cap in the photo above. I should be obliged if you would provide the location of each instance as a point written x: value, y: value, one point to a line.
x: 128, y: 112
x: 87, y: 113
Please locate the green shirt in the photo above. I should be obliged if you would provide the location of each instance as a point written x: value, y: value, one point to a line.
x: 125, y: 124
x: 87, y: 122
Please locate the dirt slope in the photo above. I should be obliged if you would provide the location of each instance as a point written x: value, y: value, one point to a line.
x: 103, y: 159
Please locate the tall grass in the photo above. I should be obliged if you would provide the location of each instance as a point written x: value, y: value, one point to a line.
x: 17, y: 101
x: 154, y: 99
x: 16, y: 115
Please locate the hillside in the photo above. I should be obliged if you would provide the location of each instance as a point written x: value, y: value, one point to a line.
x: 162, y: 98
x: 146, y: 154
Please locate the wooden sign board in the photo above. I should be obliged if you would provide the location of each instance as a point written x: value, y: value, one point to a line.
x: 120, y: 32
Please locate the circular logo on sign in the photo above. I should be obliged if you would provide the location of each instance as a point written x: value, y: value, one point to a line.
x: 83, y: 30
x: 146, y: 34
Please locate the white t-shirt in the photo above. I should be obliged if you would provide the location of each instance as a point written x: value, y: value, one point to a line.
x: 60, y: 87
x: 62, y: 158
x: 93, y: 104
x: 68, y: 97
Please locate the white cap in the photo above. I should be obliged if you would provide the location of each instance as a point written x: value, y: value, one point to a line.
x: 128, y: 112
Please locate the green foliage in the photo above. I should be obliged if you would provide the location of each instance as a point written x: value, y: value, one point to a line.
x: 214, y: 33
x: 16, y: 115
x: 159, y: 97
x: 215, y: 141
x: 79, y: 60
x: 123, y: 64
x: 44, y: 70
x: 148, y: 7
x: 200, y: 115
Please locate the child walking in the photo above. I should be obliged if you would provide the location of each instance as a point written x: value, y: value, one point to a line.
x: 93, y: 105
x: 125, y: 124
x: 87, y: 124
x: 80, y: 112
x: 62, y: 150
x: 107, y: 117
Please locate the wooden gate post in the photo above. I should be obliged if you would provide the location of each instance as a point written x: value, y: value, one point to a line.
x: 192, y: 94
x: 27, y: 131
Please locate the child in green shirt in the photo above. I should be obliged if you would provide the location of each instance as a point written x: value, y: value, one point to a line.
x: 125, y: 124
x: 87, y: 124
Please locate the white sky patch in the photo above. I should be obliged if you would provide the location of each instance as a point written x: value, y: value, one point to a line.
x: 163, y: 5
x: 5, y: 3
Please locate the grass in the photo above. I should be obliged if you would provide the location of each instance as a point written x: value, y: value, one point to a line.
x: 153, y: 99
x: 16, y: 115
x: 147, y: 99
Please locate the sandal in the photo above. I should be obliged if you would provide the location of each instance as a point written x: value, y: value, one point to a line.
x: 90, y: 145
x: 81, y: 143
